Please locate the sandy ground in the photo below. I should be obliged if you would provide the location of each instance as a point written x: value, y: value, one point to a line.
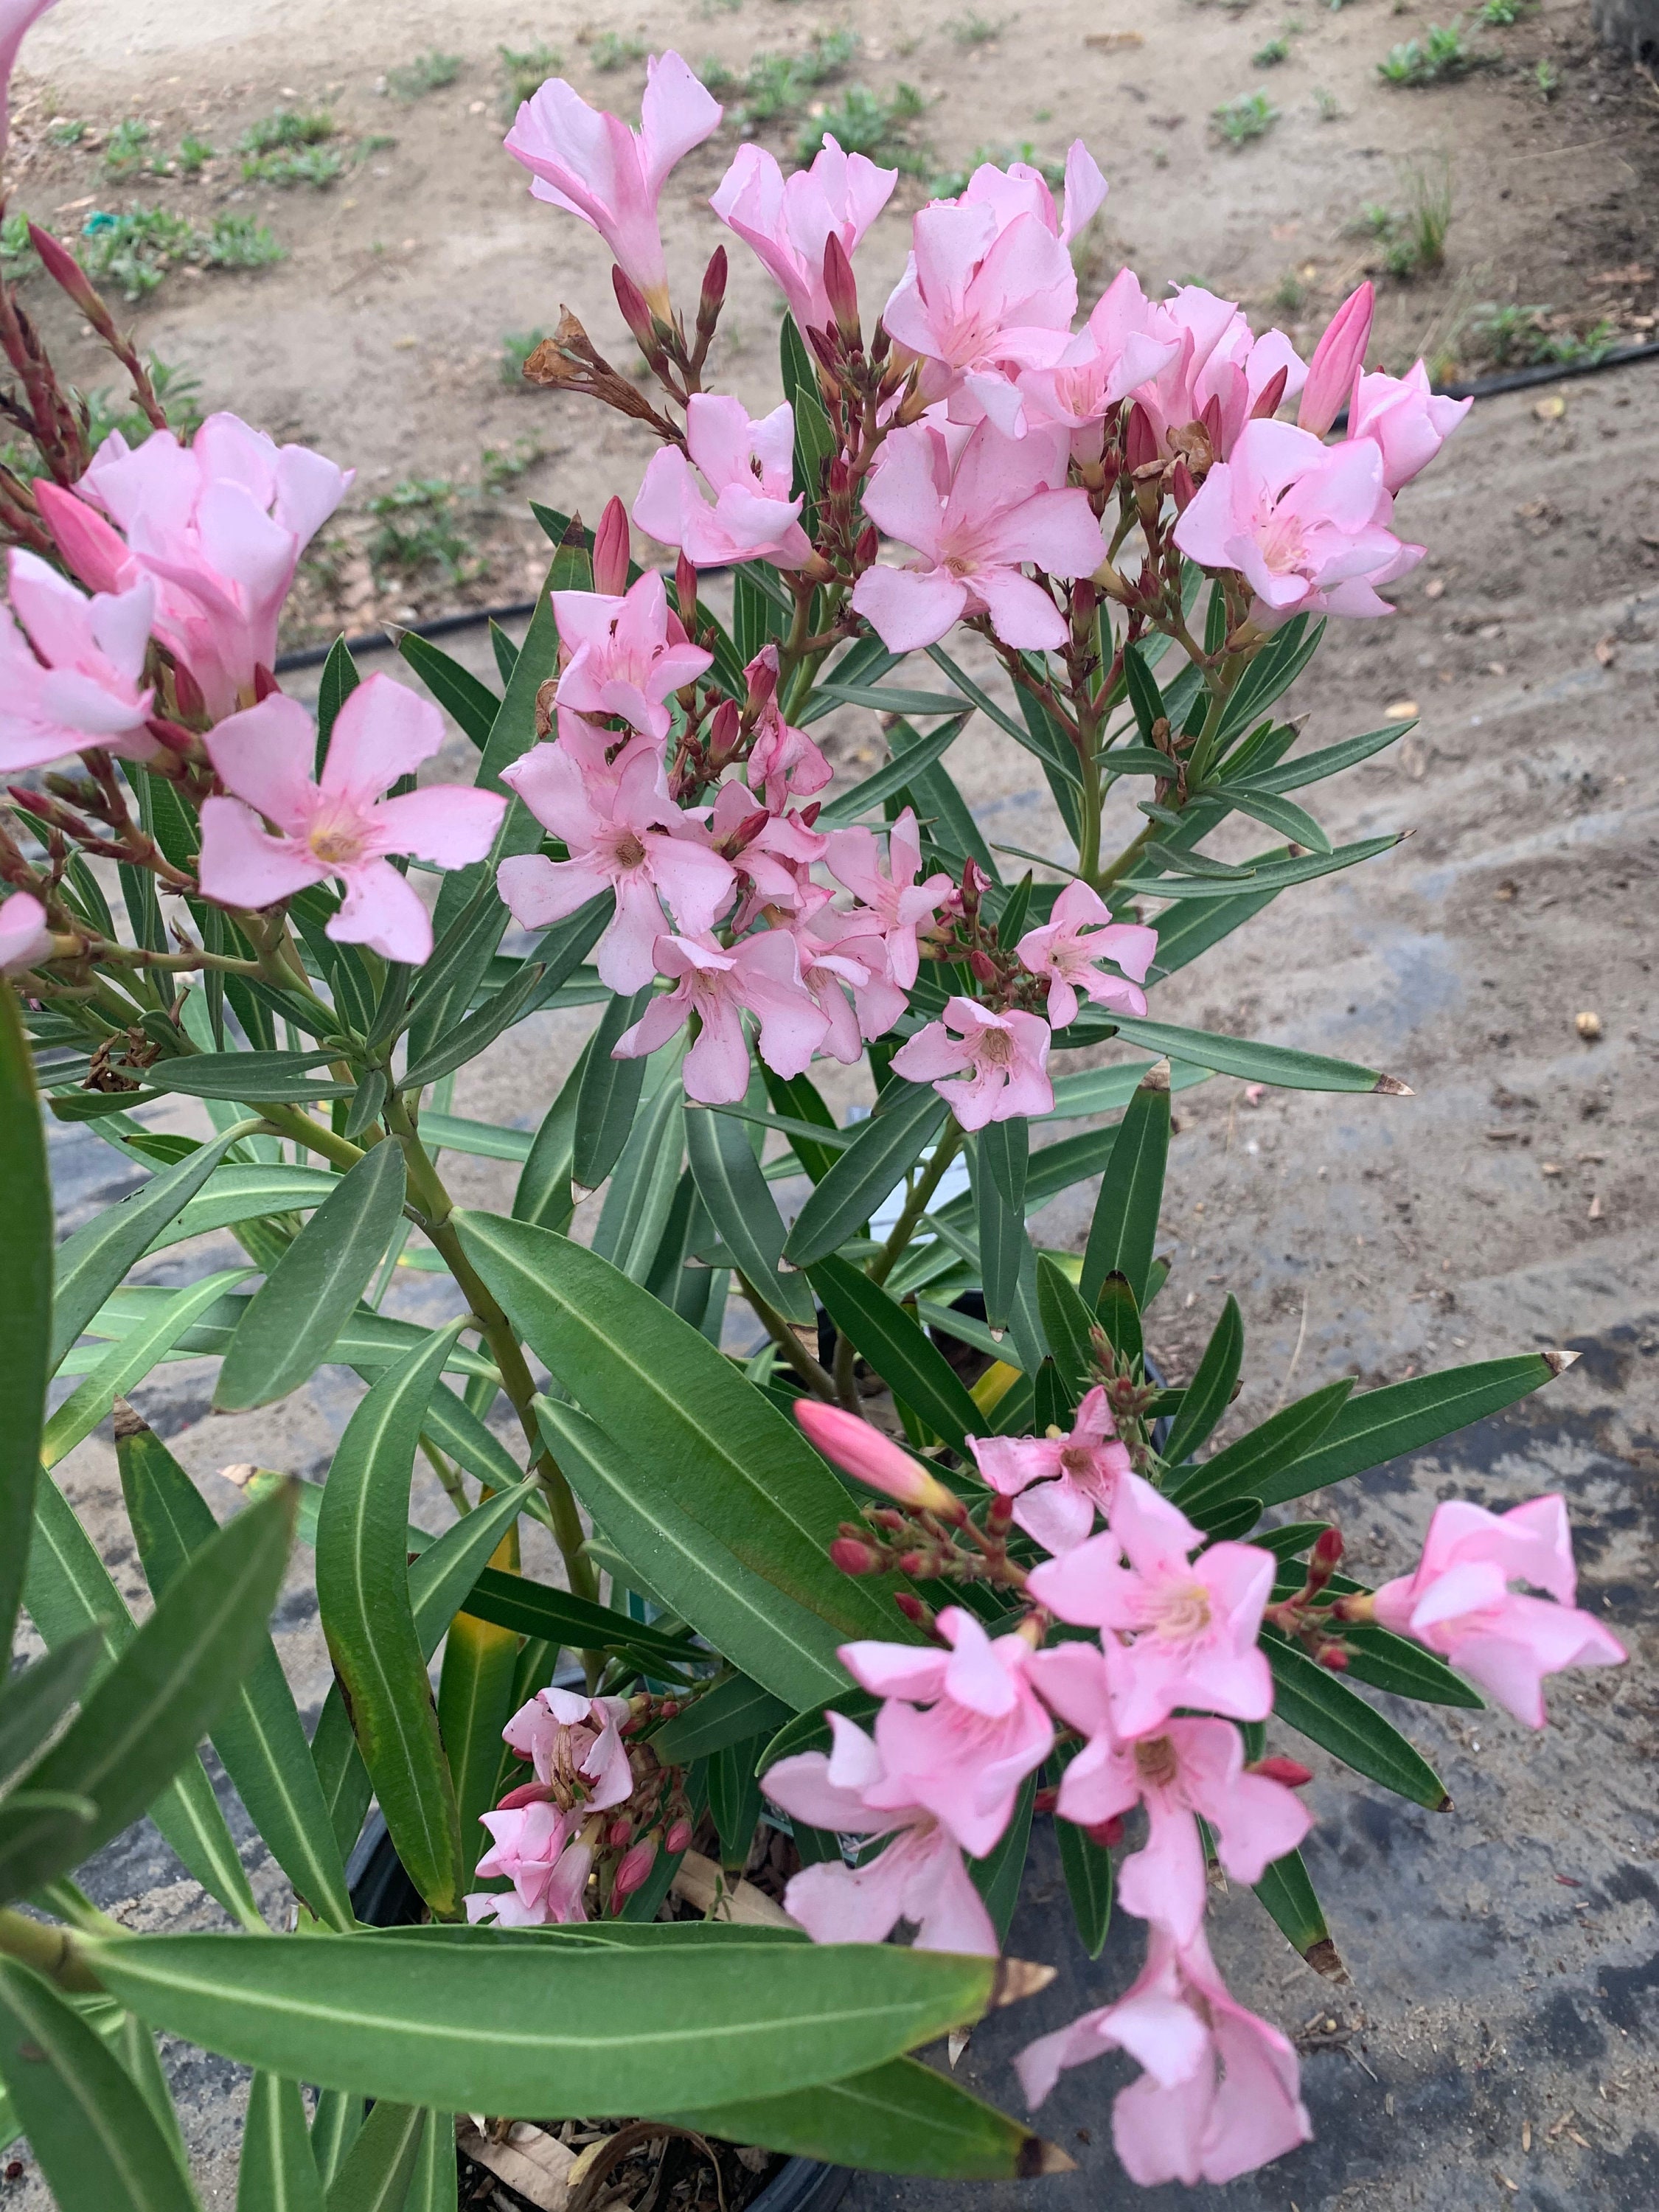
x: 1496, y: 2043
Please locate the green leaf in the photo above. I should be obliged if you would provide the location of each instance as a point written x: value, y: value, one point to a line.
x: 259, y: 1738
x: 375, y: 2172
x: 1330, y: 760
x: 1246, y: 1467
x: 473, y: 704
x: 1068, y: 1324
x: 899, y: 1349
x: 746, y: 1217
x: 1380, y: 1425
x: 91, y: 1263
x: 249, y: 1076
x: 948, y: 820
x: 333, y: 2130
x: 1199, y: 877
x: 900, y: 771
x: 796, y: 1099
x: 547, y: 2027
x: 367, y: 1617
x: 1005, y: 1249
x: 1125, y: 1225
x: 506, y: 652
x: 338, y: 680
x: 130, y: 1360
x: 305, y: 1300
x: 235, y: 1194
x: 1271, y: 674
x: 1087, y: 1868
x: 27, y: 1314
x: 757, y: 617
x: 1384, y: 1661
x: 998, y: 1875
x: 367, y: 1339
x: 434, y: 2186
x: 608, y: 1095
x: 99, y: 2144
x: 734, y: 1799
x: 1120, y: 1316
x: 902, y: 2117
x: 736, y: 1710
x: 1145, y: 699
x: 1310, y: 1699
x: 543, y: 1194
x: 68, y: 1592
x: 886, y: 1147
x: 1288, y: 1894
x: 468, y: 1038
x: 815, y: 441
x: 1275, y: 813
x: 277, y: 2172
x: 1210, y: 1393
x: 641, y: 1197
x: 536, y: 1609
x: 37, y: 1696
x: 454, y: 1132
x: 180, y: 1672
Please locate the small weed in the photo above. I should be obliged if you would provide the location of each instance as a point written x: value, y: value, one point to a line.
x: 720, y: 6
x: 517, y: 346
x: 136, y: 250
x: 1252, y: 115
x: 316, y: 166
x: 418, y: 529
x: 1329, y: 107
x: 127, y: 148
x: 239, y: 241
x: 1515, y: 337
x: 778, y: 84
x: 526, y: 69
x: 432, y: 71
x: 716, y: 76
x: 1291, y: 295
x: 378, y: 141
x: 951, y: 184
x: 283, y: 127
x: 1500, y: 13
x: 68, y: 130
x: 865, y: 123
x: 500, y: 467
x: 1270, y: 56
x: 610, y: 52
x: 179, y: 392
x: 1548, y: 78
x: 1437, y: 59
x: 1413, y: 239
x: 974, y: 29
x: 16, y: 255
x: 194, y: 155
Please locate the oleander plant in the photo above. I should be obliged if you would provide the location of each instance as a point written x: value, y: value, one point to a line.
x: 945, y: 1553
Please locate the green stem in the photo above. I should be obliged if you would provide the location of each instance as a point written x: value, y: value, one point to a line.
x: 53, y: 1952
x: 817, y: 1381
x: 916, y: 1205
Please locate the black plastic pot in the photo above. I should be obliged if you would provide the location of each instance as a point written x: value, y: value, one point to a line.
x: 383, y: 1896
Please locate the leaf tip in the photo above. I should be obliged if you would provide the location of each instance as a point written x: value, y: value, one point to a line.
x: 1391, y: 1086
x: 1037, y: 2157
x: 1156, y: 1077
x: 1015, y: 1979
x: 1325, y: 1958
x: 1559, y: 1361
x: 130, y: 1422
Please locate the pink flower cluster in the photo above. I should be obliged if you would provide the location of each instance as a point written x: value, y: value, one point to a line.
x: 1146, y: 1710
x: 543, y: 1833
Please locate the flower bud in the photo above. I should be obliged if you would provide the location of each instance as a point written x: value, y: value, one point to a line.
x: 635, y: 313
x: 611, y: 550
x: 678, y: 1838
x: 1337, y: 360
x: 724, y: 728
x: 763, y: 674
x: 1106, y: 1834
x: 711, y: 297
x: 868, y: 546
x: 61, y: 265
x: 1268, y: 398
x: 841, y: 290
x: 1181, y: 486
x: 1327, y: 1548
x: 187, y: 692
x: 838, y: 477
x: 1139, y: 442
x: 685, y: 592
x: 1333, y: 1656
x: 864, y: 1452
x: 619, y: 1832
x: 914, y: 1564
x: 1290, y: 1772
x: 527, y: 1793
x: 984, y: 968
x: 915, y: 1609
x: 855, y: 1557
x: 634, y: 1871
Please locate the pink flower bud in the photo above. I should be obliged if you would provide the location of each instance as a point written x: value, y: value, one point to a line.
x: 1338, y: 359
x: 1271, y: 393
x: 1327, y: 1548
x: 868, y: 546
x: 1290, y: 1772
x: 839, y: 288
x: 527, y: 1793
x: 685, y: 592
x: 678, y: 1838
x: 1106, y: 1834
x: 914, y: 1608
x: 611, y: 550
x: 984, y: 968
x: 865, y: 1453
x: 713, y: 295
x: 61, y: 265
x: 763, y: 674
x: 1182, y: 487
x: 1333, y: 1656
x: 635, y: 312
x: 723, y: 732
x: 1139, y: 439
x: 635, y: 1870
x: 618, y: 1833
x: 854, y: 1556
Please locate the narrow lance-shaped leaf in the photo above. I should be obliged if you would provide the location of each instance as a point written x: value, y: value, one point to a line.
x: 375, y: 2172
x: 887, y: 1147
x: 1279, y: 1064
x: 1003, y: 1245
x: 899, y: 1348
x: 742, y: 1208
x: 259, y: 1737
x: 998, y: 1875
x: 1125, y: 1225
x: 99, y: 2144
x: 608, y: 1095
x: 1246, y: 1467
x: 472, y: 703
x: 1068, y: 1324
x: 277, y: 2171
x: 1310, y: 1699
x: 734, y: 1799
x: 475, y: 1692
x: 1087, y: 1868
x: 1211, y: 1391
x: 796, y: 1098
x: 737, y: 1711
x: 543, y: 1194
x: 25, y: 1302
x: 363, y: 1597
x: 305, y: 1302
x: 1289, y: 1897
x: 130, y: 1360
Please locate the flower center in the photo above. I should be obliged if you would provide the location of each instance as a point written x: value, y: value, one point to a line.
x: 336, y: 840
x: 631, y: 852
x: 1155, y: 1761
x: 1184, y: 1612
x: 1077, y: 1460
x: 995, y: 1048
x: 1283, y: 547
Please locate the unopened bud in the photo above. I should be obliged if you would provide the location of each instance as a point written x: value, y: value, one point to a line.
x: 1046, y: 1800
x: 711, y: 297
x: 611, y: 550
x: 527, y: 1793
x: 762, y: 675
x: 1140, y: 441
x: 868, y: 547
x: 914, y: 1564
x: 1182, y: 487
x: 678, y: 1838
x: 841, y: 290
x: 855, y: 1557
x: 724, y: 728
x: 264, y: 684
x: 999, y: 1515
x: 1327, y: 1548
x: 1290, y: 1772
x: 188, y: 695
x: 61, y: 265
x: 984, y: 968
x: 1268, y: 398
x: 1106, y: 1834
x: 1333, y: 1656
x: 685, y: 592
x: 838, y: 477
x: 618, y: 1833
x: 864, y: 1452
x: 634, y: 1871
x: 915, y: 1609
x: 637, y: 313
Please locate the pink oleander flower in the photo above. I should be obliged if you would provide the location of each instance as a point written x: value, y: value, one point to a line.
x: 1220, y: 2093
x: 1458, y: 1602
x: 624, y: 834
x: 974, y: 508
x: 1186, y: 1769
x: 574, y: 1746
x: 982, y: 1731
x: 1191, y: 1624
x: 342, y: 826
x: 1221, y: 372
x: 1057, y: 1480
x: 760, y: 975
x: 918, y: 1877
x: 989, y: 289
x: 218, y: 527
x: 1068, y: 949
x: 878, y: 999
x: 835, y: 982
x: 1005, y: 1058
x: 592, y: 165
x: 748, y: 466
x: 772, y: 855
x: 862, y: 1450
x: 625, y: 655
x: 16, y: 18
x: 891, y: 904
x: 1338, y: 359
x: 25, y: 935
x: 80, y: 686
x: 1127, y: 340
x: 789, y: 222
x: 784, y: 763
x: 1305, y: 524
x: 549, y: 1874
x: 1405, y: 417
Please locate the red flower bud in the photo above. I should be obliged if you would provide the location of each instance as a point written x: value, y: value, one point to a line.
x: 1211, y: 418
x: 611, y: 550
x: 1290, y: 1772
x: 685, y: 592
x: 712, y: 298
x: 61, y: 265
x: 1106, y: 1832
x: 854, y: 1556
x: 678, y: 1838
x: 192, y: 702
x: 1183, y: 487
x: 1139, y: 441
x: 264, y: 684
x: 1046, y: 1800
x: 527, y: 1793
x: 984, y: 968
x: 724, y: 730
x: 914, y: 1608
x: 619, y: 1832
x: 1333, y: 1656
x: 1327, y: 1548
x: 868, y: 546
x: 1270, y: 395
x: 913, y: 1563
x: 838, y: 477
x: 841, y: 290
x: 635, y: 1870
x: 635, y: 313
x: 763, y: 674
